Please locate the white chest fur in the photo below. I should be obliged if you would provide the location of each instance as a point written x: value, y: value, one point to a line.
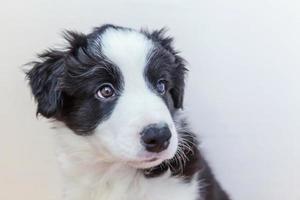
x: 128, y: 184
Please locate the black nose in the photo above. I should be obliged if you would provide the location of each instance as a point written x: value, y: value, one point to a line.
x: 156, y: 137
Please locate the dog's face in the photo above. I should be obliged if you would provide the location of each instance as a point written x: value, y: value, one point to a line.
x: 118, y: 86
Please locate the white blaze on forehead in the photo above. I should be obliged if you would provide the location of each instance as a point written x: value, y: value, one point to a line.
x: 127, y: 49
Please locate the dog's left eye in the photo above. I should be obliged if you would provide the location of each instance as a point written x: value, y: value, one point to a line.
x: 161, y: 86
x: 106, y: 91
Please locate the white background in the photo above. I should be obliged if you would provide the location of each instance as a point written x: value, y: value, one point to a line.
x: 242, y: 94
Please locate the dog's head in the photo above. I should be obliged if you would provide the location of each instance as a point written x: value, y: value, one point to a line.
x: 119, y: 85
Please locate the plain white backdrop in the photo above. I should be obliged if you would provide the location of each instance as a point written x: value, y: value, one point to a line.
x: 242, y: 94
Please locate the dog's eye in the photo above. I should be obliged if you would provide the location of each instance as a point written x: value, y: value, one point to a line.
x: 161, y: 86
x: 106, y: 91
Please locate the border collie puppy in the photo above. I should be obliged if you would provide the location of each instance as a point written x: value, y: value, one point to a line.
x: 118, y: 94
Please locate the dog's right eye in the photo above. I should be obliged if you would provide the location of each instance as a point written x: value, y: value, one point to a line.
x: 105, y: 91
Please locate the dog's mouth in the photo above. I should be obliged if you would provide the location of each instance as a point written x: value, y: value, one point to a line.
x: 149, y: 160
x: 145, y: 163
x: 145, y: 159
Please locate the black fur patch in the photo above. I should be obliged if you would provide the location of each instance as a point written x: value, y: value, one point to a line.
x: 165, y: 62
x: 64, y: 84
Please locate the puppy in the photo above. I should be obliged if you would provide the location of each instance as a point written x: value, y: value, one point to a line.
x: 117, y: 94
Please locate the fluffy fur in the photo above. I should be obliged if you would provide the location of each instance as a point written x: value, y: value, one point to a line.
x: 100, y: 144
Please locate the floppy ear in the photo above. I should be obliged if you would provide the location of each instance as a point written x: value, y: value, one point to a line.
x: 177, y: 92
x: 44, y: 80
x: 45, y: 77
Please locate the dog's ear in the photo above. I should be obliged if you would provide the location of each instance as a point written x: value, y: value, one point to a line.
x: 177, y: 92
x: 44, y: 80
x: 45, y: 77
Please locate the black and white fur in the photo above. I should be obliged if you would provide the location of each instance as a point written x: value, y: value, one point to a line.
x: 99, y: 139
